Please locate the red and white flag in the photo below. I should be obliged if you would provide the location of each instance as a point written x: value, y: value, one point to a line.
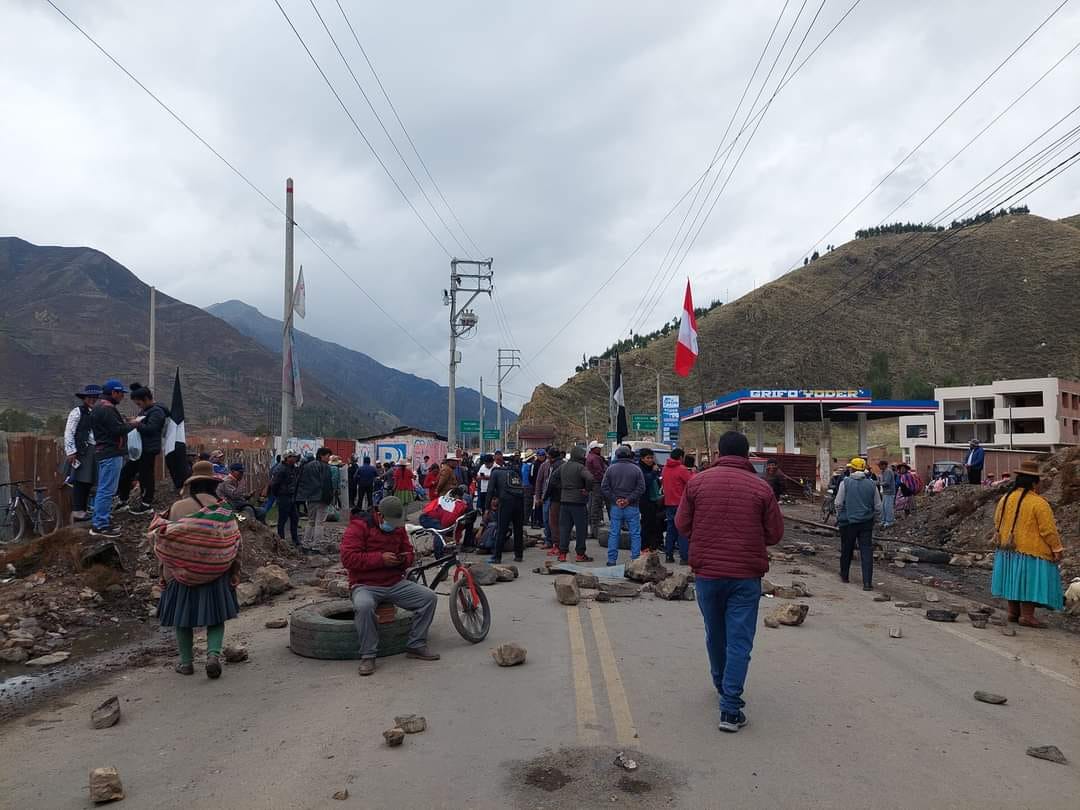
x: 686, y: 350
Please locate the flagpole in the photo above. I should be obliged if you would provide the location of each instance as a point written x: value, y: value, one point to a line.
x: 286, y: 320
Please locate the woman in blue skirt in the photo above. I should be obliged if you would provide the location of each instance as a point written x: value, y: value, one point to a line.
x: 1029, y: 548
x: 199, y: 544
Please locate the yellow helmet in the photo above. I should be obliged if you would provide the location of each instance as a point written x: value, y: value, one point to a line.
x: 858, y: 464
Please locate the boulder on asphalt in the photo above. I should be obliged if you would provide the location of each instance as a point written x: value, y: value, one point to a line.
x: 513, y: 568
x: 234, y: 653
x: 107, y: 714
x: 277, y: 624
x: 770, y: 621
x: 940, y: 615
x: 411, y: 723
x: 567, y: 590
x: 338, y: 587
x: 909, y: 604
x: 930, y: 555
x: 646, y: 568
x: 989, y: 697
x: 503, y: 573
x: 248, y: 593
x: 931, y: 597
x: 341, y: 795
x: 13, y: 655
x: 671, y: 588
x: 790, y: 614
x: 767, y: 587
x: 617, y: 588
x: 48, y: 660
x: 105, y: 785
x: 510, y: 654
x: 796, y: 590
x: 962, y: 560
x: 394, y: 737
x: 484, y: 574
x: 587, y: 580
x: 895, y: 632
x: 882, y: 597
x: 272, y: 579
x: 1048, y: 752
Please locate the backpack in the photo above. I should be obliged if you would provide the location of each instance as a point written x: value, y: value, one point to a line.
x: 513, y: 483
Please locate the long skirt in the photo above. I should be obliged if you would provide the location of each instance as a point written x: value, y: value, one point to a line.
x: 1023, y: 578
x: 201, y: 606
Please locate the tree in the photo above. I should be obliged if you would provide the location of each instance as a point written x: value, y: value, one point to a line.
x: 814, y: 256
x: 878, y: 376
x: 916, y: 387
x: 13, y: 420
x: 55, y: 424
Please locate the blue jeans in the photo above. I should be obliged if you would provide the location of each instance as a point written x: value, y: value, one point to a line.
x: 107, y: 481
x: 547, y: 523
x: 674, y: 536
x: 631, y: 515
x: 888, y: 504
x: 729, y: 608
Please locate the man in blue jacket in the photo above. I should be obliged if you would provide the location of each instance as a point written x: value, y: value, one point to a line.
x: 110, y: 429
x: 622, y: 488
x: 365, y: 484
x: 974, y: 462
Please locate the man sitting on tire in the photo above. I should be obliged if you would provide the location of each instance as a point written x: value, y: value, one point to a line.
x: 376, y: 552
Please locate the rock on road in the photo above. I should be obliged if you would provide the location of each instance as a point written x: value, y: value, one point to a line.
x: 841, y: 715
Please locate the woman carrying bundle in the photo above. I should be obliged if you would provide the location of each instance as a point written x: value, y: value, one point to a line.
x: 198, y: 545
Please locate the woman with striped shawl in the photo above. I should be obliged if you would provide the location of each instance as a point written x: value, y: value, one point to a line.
x: 198, y: 545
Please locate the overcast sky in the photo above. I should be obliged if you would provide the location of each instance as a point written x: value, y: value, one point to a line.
x: 560, y: 133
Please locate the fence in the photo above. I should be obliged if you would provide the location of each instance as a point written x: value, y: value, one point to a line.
x: 995, y: 462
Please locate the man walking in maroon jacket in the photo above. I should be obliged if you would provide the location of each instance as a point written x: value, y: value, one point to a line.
x: 376, y: 552
x: 730, y: 516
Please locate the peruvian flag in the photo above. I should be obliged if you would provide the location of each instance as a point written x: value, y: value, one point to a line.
x: 686, y: 350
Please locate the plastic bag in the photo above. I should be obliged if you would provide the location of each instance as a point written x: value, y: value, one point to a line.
x: 134, y: 445
x: 332, y: 514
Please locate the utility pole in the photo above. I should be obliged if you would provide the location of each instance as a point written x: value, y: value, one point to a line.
x: 286, y: 320
x: 153, y: 337
x: 586, y: 423
x: 462, y: 321
x: 481, y: 416
x: 659, y: 411
x: 509, y: 359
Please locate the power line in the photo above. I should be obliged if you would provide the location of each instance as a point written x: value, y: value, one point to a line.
x: 940, y: 124
x: 401, y: 123
x: 232, y: 167
x: 360, y: 131
x: 688, y: 191
x: 386, y: 132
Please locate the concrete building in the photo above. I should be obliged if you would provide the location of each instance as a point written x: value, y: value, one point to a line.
x: 1041, y: 413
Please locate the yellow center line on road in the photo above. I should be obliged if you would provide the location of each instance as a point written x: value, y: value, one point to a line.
x: 588, y: 733
x: 625, y: 733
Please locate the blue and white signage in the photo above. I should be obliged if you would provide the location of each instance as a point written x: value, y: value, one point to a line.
x: 669, y: 419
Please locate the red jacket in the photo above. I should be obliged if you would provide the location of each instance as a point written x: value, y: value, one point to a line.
x: 403, y: 479
x: 730, y: 516
x: 362, y: 548
x: 676, y: 475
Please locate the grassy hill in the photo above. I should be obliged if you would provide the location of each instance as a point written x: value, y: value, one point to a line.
x: 997, y: 300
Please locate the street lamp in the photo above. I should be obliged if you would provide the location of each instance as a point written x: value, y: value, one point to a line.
x: 659, y: 411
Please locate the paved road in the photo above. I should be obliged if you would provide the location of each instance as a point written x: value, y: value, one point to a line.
x: 841, y: 716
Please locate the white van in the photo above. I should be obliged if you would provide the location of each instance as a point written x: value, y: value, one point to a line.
x: 662, y: 452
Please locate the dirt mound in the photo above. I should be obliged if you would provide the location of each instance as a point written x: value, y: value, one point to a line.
x: 961, y: 519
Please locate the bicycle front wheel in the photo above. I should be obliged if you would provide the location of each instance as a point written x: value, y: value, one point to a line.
x: 13, y: 525
x: 48, y: 517
x: 471, y: 620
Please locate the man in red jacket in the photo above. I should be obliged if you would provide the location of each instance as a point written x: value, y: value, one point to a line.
x: 674, y: 480
x: 730, y: 516
x: 376, y: 552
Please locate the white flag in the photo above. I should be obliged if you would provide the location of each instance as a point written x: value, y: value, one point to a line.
x: 299, y: 299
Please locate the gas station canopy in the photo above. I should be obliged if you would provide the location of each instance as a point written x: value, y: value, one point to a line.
x: 803, y: 405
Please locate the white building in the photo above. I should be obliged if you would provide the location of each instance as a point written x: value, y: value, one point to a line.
x: 1037, y: 414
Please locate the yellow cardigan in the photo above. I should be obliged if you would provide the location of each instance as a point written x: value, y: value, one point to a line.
x: 1036, y: 533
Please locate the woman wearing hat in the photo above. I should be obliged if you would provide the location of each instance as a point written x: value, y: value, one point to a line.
x: 1029, y: 548
x: 404, y: 485
x: 81, y: 470
x: 213, y: 540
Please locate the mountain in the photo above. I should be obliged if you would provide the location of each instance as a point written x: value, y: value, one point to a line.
x: 995, y: 301
x: 404, y: 399
x: 73, y: 316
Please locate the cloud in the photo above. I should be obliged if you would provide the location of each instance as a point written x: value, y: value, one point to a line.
x: 560, y: 133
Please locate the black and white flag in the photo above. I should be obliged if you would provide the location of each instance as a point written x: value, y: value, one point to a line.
x: 175, y: 449
x: 621, y: 429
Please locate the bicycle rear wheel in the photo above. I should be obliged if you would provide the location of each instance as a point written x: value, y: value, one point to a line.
x: 13, y: 524
x: 48, y: 517
x: 826, y: 510
x: 471, y: 620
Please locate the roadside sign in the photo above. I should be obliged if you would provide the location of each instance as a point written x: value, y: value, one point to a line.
x: 469, y: 426
x: 612, y: 435
x: 670, y: 419
x: 492, y: 434
x: 643, y: 422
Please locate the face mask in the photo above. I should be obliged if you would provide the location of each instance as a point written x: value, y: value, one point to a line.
x: 386, y: 527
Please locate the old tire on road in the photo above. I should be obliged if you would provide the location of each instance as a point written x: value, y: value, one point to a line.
x: 326, y: 630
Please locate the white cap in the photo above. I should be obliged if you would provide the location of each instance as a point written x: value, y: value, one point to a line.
x: 594, y: 445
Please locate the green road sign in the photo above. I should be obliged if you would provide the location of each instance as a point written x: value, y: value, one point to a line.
x: 492, y: 434
x: 611, y: 434
x: 643, y: 422
x: 469, y: 426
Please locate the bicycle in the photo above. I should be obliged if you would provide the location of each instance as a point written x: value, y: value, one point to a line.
x: 469, y: 609
x: 828, y: 505
x: 23, y: 514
